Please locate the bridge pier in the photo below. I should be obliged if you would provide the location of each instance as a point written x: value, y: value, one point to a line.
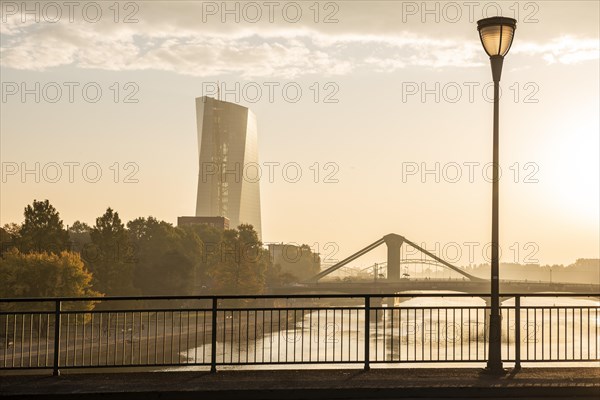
x: 393, y: 243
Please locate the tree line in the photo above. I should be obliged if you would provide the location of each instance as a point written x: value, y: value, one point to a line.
x: 145, y: 256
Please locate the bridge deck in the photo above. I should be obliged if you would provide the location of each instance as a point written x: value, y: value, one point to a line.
x: 315, y: 384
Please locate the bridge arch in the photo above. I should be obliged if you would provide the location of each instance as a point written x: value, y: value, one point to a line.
x: 394, y: 242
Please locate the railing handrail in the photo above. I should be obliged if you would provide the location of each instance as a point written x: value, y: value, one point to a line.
x: 290, y: 296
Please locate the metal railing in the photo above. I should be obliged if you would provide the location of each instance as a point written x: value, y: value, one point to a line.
x: 63, y: 333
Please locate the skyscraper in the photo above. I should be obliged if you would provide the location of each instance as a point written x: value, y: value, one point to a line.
x: 227, y: 145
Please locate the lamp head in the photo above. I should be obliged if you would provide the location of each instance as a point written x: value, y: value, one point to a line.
x: 496, y: 34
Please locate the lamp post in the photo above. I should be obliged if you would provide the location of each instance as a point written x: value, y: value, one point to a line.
x: 496, y: 34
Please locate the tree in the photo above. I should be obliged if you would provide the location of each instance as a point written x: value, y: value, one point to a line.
x: 43, y: 229
x: 243, y: 263
x: 45, y: 275
x: 111, y: 257
x: 167, y: 257
x: 79, y: 235
x: 9, y: 237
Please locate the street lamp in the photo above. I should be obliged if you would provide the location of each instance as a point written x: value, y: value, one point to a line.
x: 496, y: 34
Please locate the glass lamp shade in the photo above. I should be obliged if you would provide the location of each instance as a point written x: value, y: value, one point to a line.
x: 496, y: 34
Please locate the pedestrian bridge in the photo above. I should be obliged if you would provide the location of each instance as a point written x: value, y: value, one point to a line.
x: 394, y: 282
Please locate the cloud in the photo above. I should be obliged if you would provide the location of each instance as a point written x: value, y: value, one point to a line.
x: 273, y: 51
x: 564, y: 50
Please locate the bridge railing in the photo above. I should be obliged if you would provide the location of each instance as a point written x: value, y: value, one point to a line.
x: 212, y: 331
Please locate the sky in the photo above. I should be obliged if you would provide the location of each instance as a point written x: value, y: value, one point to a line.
x: 375, y: 117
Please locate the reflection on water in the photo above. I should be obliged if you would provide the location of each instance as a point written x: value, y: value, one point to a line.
x: 416, y: 330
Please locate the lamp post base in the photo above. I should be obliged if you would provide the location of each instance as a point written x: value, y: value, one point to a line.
x: 495, y: 370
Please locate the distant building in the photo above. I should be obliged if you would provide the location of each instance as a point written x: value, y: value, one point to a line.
x: 221, y: 223
x: 227, y: 143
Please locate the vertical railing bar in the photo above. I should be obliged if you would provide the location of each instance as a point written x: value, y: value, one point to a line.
x: 179, y: 336
x: 566, y: 334
x: 57, y: 321
x: 172, y: 313
x: 247, y: 334
x: 99, y: 338
x: 48, y: 337
x: 430, y: 335
x: 423, y: 334
x: 279, y: 335
x: 108, y: 338
x: 357, y: 331
x: 123, y: 337
x: 6, y: 339
x: 83, y: 328
x: 318, y: 334
x: 39, y: 339
x: 446, y: 333
x: 518, y: 332
x: 67, y: 341
x: 376, y: 334
x: 92, y: 342
x: 232, y: 333
x: 367, y: 329
x: 415, y: 335
x: 203, y: 337
x: 295, y: 323
x: 271, y: 336
x: 156, y: 313
x: 147, y: 329
x: 30, y: 339
x: 462, y: 334
x: 535, y: 333
x: 255, y: 332
x: 342, y: 335
x: 550, y: 336
x: 580, y: 333
x: 310, y: 324
x: 588, y: 334
x: 75, y: 337
x: 350, y: 335
x: 392, y: 330
x: 326, y: 335
x: 453, y: 334
x: 573, y: 333
x: 438, y: 334
x: 477, y: 333
x: 543, y: 333
x: 225, y: 333
x: 14, y: 339
x: 22, y: 339
x: 334, y: 328
x: 164, y: 336
x: 302, y: 337
x: 213, y: 336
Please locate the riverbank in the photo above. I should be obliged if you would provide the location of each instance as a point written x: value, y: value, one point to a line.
x: 529, y: 383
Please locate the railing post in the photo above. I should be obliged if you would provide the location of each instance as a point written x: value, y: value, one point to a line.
x: 367, y: 330
x: 213, y: 337
x: 517, y: 332
x: 57, y: 310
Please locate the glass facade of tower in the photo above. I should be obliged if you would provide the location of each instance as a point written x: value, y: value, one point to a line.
x: 227, y: 145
